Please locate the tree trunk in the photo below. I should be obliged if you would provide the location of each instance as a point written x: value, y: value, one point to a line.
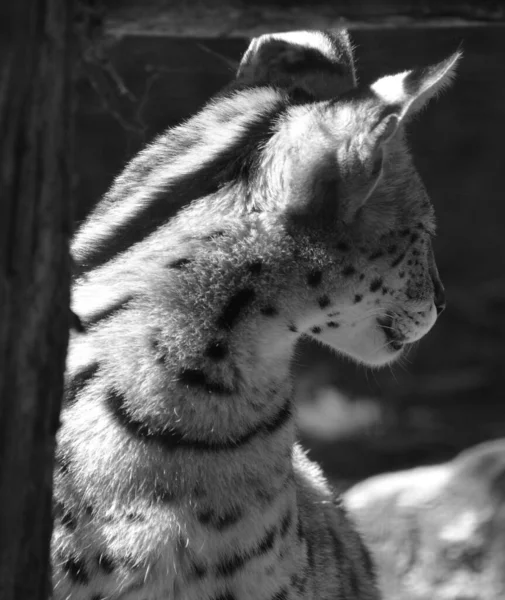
x: 35, y: 210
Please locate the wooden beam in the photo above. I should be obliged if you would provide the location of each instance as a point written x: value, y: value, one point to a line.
x: 35, y: 217
x: 232, y: 18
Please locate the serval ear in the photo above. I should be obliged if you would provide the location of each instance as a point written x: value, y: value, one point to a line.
x: 410, y: 91
x: 360, y: 160
x: 318, y: 64
x: 371, y: 127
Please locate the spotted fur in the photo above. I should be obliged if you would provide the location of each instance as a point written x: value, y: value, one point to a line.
x: 273, y: 213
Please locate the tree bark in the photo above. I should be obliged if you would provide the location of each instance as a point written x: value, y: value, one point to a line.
x: 35, y: 211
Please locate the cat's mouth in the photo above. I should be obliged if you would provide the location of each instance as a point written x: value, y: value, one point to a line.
x: 396, y: 341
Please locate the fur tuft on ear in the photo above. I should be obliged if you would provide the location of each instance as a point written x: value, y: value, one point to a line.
x: 411, y: 90
x: 399, y: 97
x: 318, y: 63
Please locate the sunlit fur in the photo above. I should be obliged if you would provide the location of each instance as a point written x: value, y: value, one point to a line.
x: 269, y: 215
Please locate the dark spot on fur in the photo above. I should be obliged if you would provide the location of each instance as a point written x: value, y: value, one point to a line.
x: 179, y: 263
x: 255, y: 267
x: 62, y: 463
x: 198, y: 492
x: 197, y: 378
x: 235, y: 305
x: 217, y: 350
x: 282, y: 594
x: 79, y: 381
x: 213, y: 235
x: 414, y: 237
x: 362, y: 276
x: 221, y: 522
x: 312, y: 61
x: 159, y: 350
x: 316, y: 330
x: 263, y: 495
x: 376, y: 284
x: 76, y: 570
x: 76, y: 323
x: 163, y: 494
x: 385, y: 290
x: 416, y: 253
x: 292, y: 327
x: 348, y: 271
x: 404, y: 232
x: 314, y: 278
x: 323, y: 301
x: 269, y: 311
x: 392, y: 249
x: 299, y: 528
x: 298, y: 582
x: 353, y: 581
x: 199, y: 570
x: 368, y: 562
x: 333, y: 324
x: 343, y: 246
x: 228, y: 519
x: 286, y: 521
x: 267, y: 543
x: 358, y: 298
x: 376, y: 255
x: 136, y: 517
x: 68, y: 520
x: 310, y: 554
x: 339, y: 551
x: 226, y: 596
x: 409, y: 263
x: 398, y: 259
x: 105, y: 563
x: 229, y: 566
x: 300, y: 96
x: 401, y: 274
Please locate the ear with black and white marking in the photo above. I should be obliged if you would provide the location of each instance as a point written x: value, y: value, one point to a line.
x: 399, y: 96
x: 411, y: 90
x: 342, y: 143
x: 318, y: 63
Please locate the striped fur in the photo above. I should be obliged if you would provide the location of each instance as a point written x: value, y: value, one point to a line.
x: 268, y: 215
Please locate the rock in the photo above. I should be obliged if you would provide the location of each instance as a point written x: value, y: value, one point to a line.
x: 438, y: 532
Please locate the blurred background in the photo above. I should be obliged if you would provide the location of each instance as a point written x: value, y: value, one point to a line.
x: 148, y: 65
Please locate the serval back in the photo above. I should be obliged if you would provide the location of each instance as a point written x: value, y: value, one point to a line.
x: 298, y: 212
